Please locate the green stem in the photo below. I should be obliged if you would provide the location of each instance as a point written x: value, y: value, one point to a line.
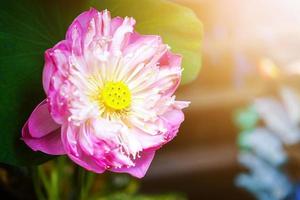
x: 82, y: 175
x: 86, y: 187
x: 53, y: 190
x: 85, y: 183
x: 36, y: 184
x: 42, y: 175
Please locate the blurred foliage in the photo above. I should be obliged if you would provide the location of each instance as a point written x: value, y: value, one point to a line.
x: 269, y: 145
x: 246, y: 118
x: 242, y: 140
x: 29, y: 27
x: 62, y: 179
x: 122, y: 196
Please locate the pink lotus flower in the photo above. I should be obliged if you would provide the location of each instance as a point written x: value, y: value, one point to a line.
x: 110, y: 102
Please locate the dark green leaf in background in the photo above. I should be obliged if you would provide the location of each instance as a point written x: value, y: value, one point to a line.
x: 29, y: 27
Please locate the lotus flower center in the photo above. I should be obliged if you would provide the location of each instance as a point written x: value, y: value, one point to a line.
x: 116, y: 95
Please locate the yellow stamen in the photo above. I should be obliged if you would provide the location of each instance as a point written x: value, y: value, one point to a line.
x: 116, y: 95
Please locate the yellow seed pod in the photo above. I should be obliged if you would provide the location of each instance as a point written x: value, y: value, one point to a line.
x: 116, y: 95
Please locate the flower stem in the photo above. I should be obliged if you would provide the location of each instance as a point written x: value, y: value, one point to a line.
x: 37, y: 184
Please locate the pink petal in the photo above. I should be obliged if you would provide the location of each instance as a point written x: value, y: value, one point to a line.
x: 75, y: 153
x: 137, y: 44
x: 83, y: 21
x: 52, y: 62
x: 82, y: 28
x: 47, y: 72
x: 100, y: 22
x: 121, y: 34
x: 49, y: 144
x: 41, y: 133
x: 171, y: 62
x: 40, y: 122
x: 141, y: 165
x: 147, y: 140
x: 88, y: 163
x: 106, y: 19
x: 85, y: 17
x: 173, y: 119
x: 75, y: 36
x: 115, y: 23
